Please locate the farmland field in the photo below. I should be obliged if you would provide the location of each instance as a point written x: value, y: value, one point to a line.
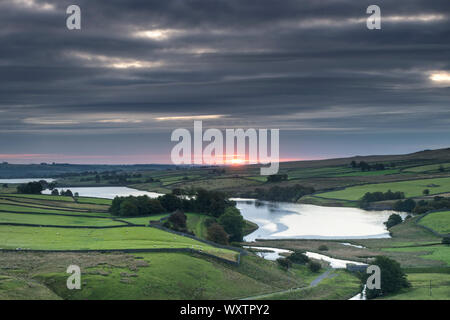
x: 55, y: 220
x: 429, y: 168
x: 425, y: 286
x: 411, y: 188
x: 438, y: 221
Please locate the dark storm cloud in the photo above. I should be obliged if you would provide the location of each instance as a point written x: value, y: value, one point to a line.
x: 297, y: 65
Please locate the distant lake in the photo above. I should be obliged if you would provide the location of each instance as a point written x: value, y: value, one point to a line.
x: 302, y: 221
x: 25, y: 180
x: 108, y: 192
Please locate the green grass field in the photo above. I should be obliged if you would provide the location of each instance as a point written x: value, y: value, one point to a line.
x: 438, y: 221
x: 142, y: 276
x: 439, y: 252
x: 420, y: 287
x: 341, y: 286
x: 145, y: 220
x: 196, y: 223
x: 411, y: 188
x: 12, y: 237
x: 43, y: 219
x: 18, y: 208
x: 428, y: 168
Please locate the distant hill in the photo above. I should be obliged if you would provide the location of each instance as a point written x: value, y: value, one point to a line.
x: 431, y: 155
x: 53, y: 170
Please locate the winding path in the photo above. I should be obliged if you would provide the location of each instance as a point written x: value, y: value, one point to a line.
x: 326, y: 275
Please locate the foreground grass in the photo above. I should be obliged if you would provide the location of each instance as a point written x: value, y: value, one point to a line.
x: 341, y: 285
x: 411, y: 188
x: 438, y: 221
x: 12, y: 237
x: 420, y: 287
x: 148, y: 275
x: 12, y: 288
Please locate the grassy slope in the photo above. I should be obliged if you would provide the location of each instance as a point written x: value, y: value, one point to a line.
x: 99, y: 239
x: 43, y: 219
x: 150, y: 275
x: 341, y: 286
x: 420, y: 287
x: 12, y: 288
x: 438, y: 221
x: 412, y: 188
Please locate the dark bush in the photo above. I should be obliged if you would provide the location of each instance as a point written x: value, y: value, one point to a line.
x: 284, y: 263
x: 446, y: 240
x: 217, y: 234
x: 314, y: 266
x: 30, y: 188
x: 394, y: 219
x: 298, y: 257
x: 393, y: 279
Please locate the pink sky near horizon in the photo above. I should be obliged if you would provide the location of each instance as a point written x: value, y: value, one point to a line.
x: 25, y: 158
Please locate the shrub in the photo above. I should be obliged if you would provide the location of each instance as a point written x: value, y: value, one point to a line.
x: 177, y: 221
x: 233, y: 223
x: 298, y: 257
x: 393, y: 220
x: 407, y: 205
x: 217, y: 234
x: 314, y: 266
x: 323, y: 248
x: 284, y: 263
x: 30, y: 188
x: 393, y: 279
x: 446, y: 240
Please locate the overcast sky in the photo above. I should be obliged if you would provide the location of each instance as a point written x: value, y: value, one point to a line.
x: 113, y: 91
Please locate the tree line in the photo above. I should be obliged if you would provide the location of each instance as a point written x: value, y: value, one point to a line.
x: 283, y: 194
x: 226, y: 223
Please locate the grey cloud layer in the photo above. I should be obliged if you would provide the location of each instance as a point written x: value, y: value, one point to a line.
x: 261, y: 63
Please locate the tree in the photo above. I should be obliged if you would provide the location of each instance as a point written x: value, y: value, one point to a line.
x: 298, y: 257
x: 233, y: 223
x: 217, y: 234
x: 97, y: 178
x: 55, y: 192
x: 178, y: 220
x: 284, y: 263
x: 393, y: 220
x: 407, y: 205
x: 129, y: 208
x: 426, y: 192
x: 170, y: 202
x: 30, y: 188
x: 393, y: 279
x: 314, y: 266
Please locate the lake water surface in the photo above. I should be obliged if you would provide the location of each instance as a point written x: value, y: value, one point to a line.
x: 303, y: 221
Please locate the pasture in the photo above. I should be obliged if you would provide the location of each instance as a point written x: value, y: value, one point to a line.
x: 438, y: 221
x: 425, y: 286
x: 411, y: 188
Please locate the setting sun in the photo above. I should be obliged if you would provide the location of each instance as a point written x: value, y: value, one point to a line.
x: 237, y: 161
